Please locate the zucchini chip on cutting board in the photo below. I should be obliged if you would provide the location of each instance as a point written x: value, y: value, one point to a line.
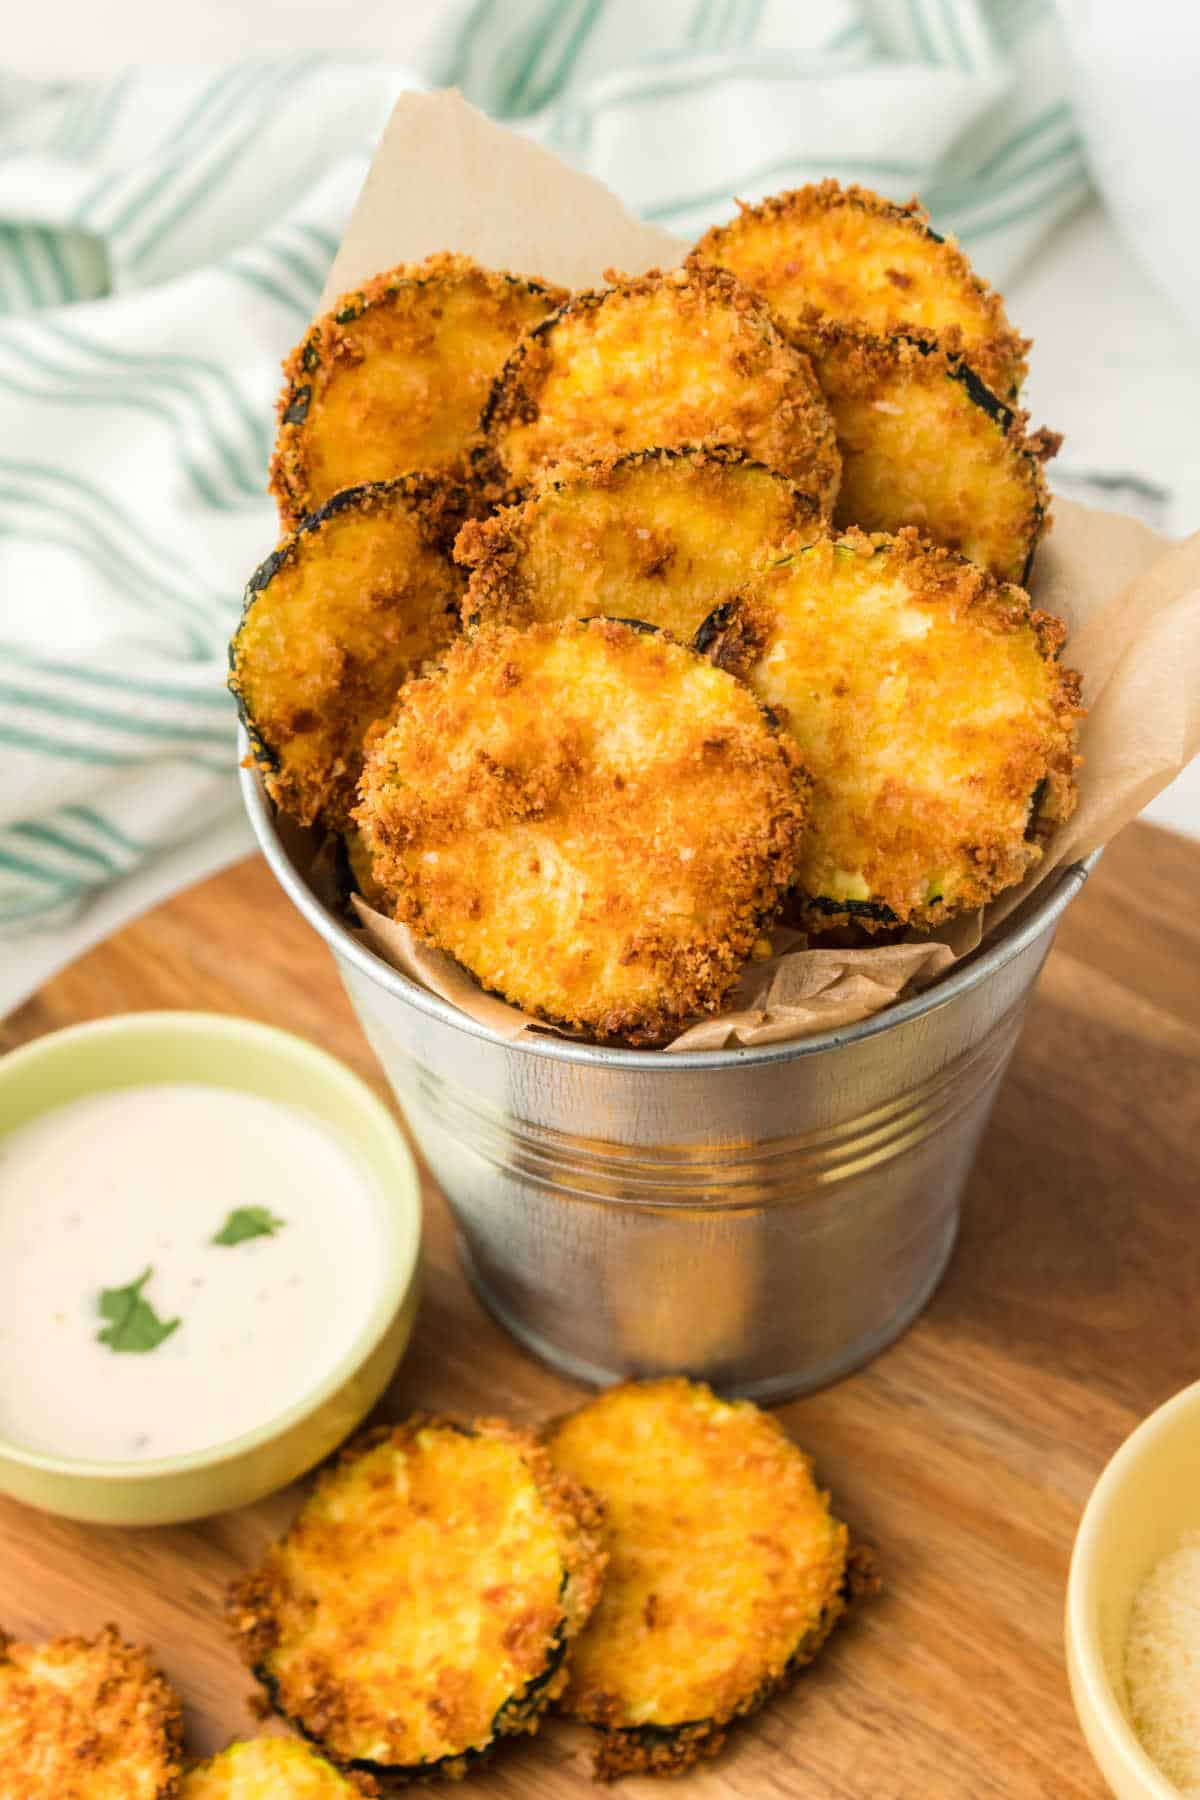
x: 339, y: 615
x: 670, y: 359
x: 268, y: 1768
x: 657, y: 535
x: 394, y: 376
x: 594, y: 821
x: 726, y: 1570
x: 847, y: 255
x: 924, y: 443
x: 421, y: 1605
x: 930, y: 708
x: 86, y: 1719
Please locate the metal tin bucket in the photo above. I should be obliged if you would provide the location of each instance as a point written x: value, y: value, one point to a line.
x: 767, y: 1219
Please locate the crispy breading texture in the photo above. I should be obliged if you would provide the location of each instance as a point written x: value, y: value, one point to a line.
x: 393, y: 377
x: 687, y: 357
x: 421, y: 1604
x: 594, y: 821
x: 726, y: 1571
x: 929, y: 704
x: 924, y: 443
x: 340, y: 614
x: 847, y: 255
x: 86, y: 1719
x: 657, y: 535
x: 270, y: 1768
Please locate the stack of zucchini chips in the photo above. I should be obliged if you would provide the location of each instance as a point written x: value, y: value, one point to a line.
x: 611, y: 628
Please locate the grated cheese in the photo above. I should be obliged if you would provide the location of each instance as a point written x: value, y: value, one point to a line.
x: 1162, y: 1665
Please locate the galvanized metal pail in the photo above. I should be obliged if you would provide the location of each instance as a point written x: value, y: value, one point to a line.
x: 767, y: 1219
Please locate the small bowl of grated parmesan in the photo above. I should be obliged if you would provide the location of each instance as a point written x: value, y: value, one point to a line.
x: 1133, y: 1610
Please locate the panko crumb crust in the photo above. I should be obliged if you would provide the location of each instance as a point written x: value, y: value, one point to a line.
x: 929, y: 704
x: 587, y: 821
x: 86, y: 1719
x: 686, y: 357
x: 393, y: 377
x: 272, y: 1768
x: 421, y: 1605
x: 827, y: 253
x: 925, y: 443
x: 340, y: 614
x: 727, y: 1570
x: 659, y: 535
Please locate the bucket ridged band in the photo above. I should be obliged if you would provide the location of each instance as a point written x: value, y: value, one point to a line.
x: 767, y: 1218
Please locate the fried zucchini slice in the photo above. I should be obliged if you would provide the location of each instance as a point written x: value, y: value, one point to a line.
x: 685, y: 357
x: 657, y: 535
x: 924, y: 443
x: 421, y: 1605
x: 268, y: 1768
x: 847, y: 255
x: 86, y: 1719
x: 339, y: 615
x: 726, y: 1570
x: 595, y: 822
x: 928, y: 703
x: 394, y: 376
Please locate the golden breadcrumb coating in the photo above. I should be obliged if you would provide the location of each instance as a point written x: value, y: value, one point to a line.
x: 589, y: 821
x: 339, y: 615
x: 270, y: 1768
x: 86, y: 1719
x: 421, y: 1604
x: 393, y: 377
x: 657, y: 535
x: 929, y: 704
x: 687, y: 357
x: 726, y: 1569
x: 846, y: 255
x: 924, y: 443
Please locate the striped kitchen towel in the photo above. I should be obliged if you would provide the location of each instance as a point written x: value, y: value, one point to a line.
x: 163, y: 238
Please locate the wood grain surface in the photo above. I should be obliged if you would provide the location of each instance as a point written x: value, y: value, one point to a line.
x: 964, y: 1453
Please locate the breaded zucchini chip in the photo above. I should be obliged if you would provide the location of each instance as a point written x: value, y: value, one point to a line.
x: 924, y: 443
x: 339, y: 615
x: 847, y: 255
x: 726, y: 1570
x: 928, y: 703
x: 685, y: 357
x: 421, y: 1605
x: 594, y: 821
x: 268, y: 1768
x: 86, y: 1719
x: 394, y: 376
x: 657, y: 535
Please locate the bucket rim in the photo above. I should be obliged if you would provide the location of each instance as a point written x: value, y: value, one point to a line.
x: 1043, y: 914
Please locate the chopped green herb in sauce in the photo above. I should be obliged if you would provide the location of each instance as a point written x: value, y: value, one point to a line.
x: 248, y: 1222
x: 133, y: 1323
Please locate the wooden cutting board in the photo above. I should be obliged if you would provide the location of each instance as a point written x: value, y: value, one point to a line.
x: 964, y: 1453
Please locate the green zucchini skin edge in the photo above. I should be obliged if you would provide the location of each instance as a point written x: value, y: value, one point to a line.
x: 1000, y: 414
x: 345, y: 500
x: 516, y: 1710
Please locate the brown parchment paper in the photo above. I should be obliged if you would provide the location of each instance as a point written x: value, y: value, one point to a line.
x: 446, y: 178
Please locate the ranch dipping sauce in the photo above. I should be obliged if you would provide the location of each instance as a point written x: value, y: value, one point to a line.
x: 127, y: 1330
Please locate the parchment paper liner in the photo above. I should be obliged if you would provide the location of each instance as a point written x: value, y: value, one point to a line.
x: 446, y: 178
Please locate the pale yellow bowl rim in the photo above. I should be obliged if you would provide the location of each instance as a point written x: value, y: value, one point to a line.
x: 1085, y: 1658
x: 401, y: 1220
